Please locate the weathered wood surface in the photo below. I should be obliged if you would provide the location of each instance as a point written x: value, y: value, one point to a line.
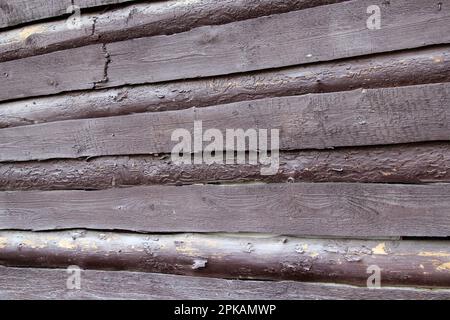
x: 398, y: 69
x: 316, y: 34
x: 60, y: 71
x: 139, y: 20
x: 16, y: 12
x: 351, y: 118
x: 20, y: 283
x: 234, y: 256
x: 324, y: 209
x: 411, y: 163
x: 252, y: 45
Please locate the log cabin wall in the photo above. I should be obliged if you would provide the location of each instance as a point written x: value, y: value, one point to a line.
x: 88, y: 104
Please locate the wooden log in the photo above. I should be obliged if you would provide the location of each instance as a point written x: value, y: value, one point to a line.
x: 234, y: 256
x: 399, y: 69
x: 16, y: 12
x: 316, y: 34
x: 139, y: 20
x: 56, y: 72
x: 414, y: 163
x: 20, y: 283
x: 351, y: 118
x: 309, y: 209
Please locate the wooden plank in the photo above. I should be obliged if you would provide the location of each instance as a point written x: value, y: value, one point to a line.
x: 256, y: 44
x: 400, y: 69
x: 45, y: 37
x: 316, y: 34
x: 351, y: 118
x: 14, y: 12
x: 412, y: 163
x: 139, y: 20
x: 331, y: 209
x: 56, y: 72
x: 234, y: 256
x: 20, y: 283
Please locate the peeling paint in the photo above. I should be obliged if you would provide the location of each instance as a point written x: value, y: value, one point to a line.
x: 28, y: 31
x: 444, y: 267
x: 199, y: 264
x: 67, y: 244
x: 87, y: 245
x: 433, y: 254
x: 34, y: 245
x: 3, y: 242
x: 186, y: 249
x: 380, y: 249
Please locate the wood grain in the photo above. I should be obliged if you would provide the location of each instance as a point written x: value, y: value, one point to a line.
x: 412, y: 163
x: 139, y: 20
x: 351, y: 118
x: 56, y: 72
x: 316, y: 34
x: 14, y: 12
x: 19, y: 283
x: 323, y: 209
x: 256, y: 44
x: 234, y: 256
x: 386, y: 70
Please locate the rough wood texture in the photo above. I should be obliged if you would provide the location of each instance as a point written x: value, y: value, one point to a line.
x: 399, y: 69
x: 255, y: 44
x: 78, y: 68
x: 234, y: 256
x: 17, y: 283
x: 331, y: 209
x: 414, y: 163
x: 311, y: 35
x: 351, y: 118
x: 16, y: 12
x: 139, y: 20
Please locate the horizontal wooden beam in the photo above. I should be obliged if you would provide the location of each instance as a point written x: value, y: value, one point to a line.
x: 413, y: 163
x: 234, y: 256
x: 316, y: 34
x: 20, y: 283
x: 56, y: 72
x: 352, y: 118
x: 330, y: 209
x: 242, y: 46
x: 16, y: 12
x: 138, y: 20
x: 421, y: 66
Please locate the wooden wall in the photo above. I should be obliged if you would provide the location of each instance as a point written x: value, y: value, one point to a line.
x: 86, y: 176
